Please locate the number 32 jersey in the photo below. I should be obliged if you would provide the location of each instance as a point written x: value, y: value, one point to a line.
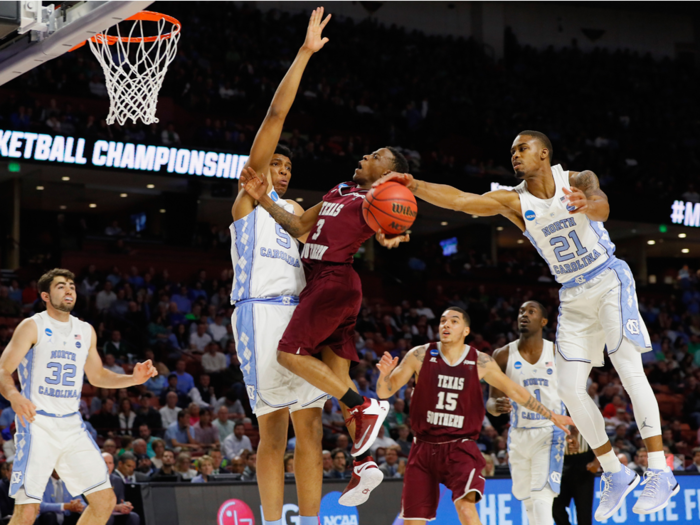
x: 575, y: 247
x: 447, y: 403
x: 51, y: 374
x: 265, y: 257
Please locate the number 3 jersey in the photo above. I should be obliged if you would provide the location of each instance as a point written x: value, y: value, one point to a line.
x: 540, y: 380
x: 575, y: 247
x: 51, y: 374
x: 447, y: 403
x: 265, y: 257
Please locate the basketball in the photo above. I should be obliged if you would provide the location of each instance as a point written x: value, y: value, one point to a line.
x: 390, y: 208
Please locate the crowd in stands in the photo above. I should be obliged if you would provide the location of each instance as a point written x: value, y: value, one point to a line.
x: 193, y: 420
x: 418, y: 92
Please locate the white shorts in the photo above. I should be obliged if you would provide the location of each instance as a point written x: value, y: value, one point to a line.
x: 258, y: 327
x: 600, y: 313
x: 56, y: 443
x: 536, y: 459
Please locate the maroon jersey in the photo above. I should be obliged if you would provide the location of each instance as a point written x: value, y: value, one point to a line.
x: 447, y: 402
x: 340, y: 229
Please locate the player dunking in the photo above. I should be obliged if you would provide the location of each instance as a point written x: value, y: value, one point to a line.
x: 562, y: 213
x: 52, y: 351
x: 268, y: 278
x: 447, y: 411
x: 324, y: 321
x: 535, y: 445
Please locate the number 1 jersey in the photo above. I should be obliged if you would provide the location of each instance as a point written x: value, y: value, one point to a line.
x: 265, y: 257
x: 51, y: 374
x: 447, y: 403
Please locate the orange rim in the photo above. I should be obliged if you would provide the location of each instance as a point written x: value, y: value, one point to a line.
x: 149, y: 16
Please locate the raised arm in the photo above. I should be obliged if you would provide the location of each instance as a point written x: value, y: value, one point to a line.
x: 269, y: 133
x: 490, y: 372
x: 100, y: 377
x: 393, y: 377
x: 23, y: 339
x: 586, y: 196
x: 498, y: 403
x: 297, y: 226
x: 499, y: 202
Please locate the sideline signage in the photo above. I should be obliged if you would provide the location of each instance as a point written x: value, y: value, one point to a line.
x: 103, y: 154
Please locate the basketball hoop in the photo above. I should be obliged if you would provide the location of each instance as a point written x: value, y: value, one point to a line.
x: 135, y: 68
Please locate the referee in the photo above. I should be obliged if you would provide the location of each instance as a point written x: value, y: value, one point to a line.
x: 577, y: 481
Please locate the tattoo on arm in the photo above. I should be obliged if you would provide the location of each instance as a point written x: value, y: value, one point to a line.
x: 483, y: 360
x: 536, y: 406
x: 587, y: 182
x: 420, y: 354
x: 387, y: 381
x: 288, y: 221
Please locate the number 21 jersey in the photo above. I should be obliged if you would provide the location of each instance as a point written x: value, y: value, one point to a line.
x: 447, y: 403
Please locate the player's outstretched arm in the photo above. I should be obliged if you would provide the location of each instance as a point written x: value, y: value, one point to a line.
x: 100, y: 377
x: 498, y: 403
x: 297, y: 226
x: 499, y: 202
x: 22, y: 340
x: 393, y: 377
x: 586, y: 196
x: 490, y: 372
x: 269, y: 133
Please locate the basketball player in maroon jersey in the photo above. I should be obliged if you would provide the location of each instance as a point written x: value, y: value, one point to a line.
x: 324, y: 320
x: 447, y: 411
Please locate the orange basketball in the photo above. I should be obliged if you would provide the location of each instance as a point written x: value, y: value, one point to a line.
x: 390, y: 208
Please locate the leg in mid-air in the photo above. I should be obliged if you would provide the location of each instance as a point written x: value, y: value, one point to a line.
x: 308, y: 463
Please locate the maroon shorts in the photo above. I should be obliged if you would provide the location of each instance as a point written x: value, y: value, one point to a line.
x: 326, y: 313
x: 457, y: 465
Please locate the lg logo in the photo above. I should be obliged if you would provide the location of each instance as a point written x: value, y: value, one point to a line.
x: 235, y: 512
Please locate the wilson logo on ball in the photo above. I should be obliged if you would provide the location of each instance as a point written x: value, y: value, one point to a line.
x: 390, y: 208
x: 403, y: 210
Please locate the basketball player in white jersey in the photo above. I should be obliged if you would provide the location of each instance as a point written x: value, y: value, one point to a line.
x: 52, y: 351
x: 268, y: 278
x: 562, y: 213
x: 535, y: 445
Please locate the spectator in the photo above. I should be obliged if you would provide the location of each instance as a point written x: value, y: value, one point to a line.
x: 382, y: 440
x: 8, y: 307
x: 147, y: 416
x: 641, y: 462
x: 119, y: 307
x: 363, y: 387
x: 122, y: 509
x: 144, y: 434
x: 158, y: 451
x: 490, y: 469
x: 185, y: 382
x: 105, y: 298
x: 342, y: 442
x: 203, y: 394
x: 223, y: 424
x: 157, y: 384
x: 182, y: 300
x: 126, y: 416
x: 193, y: 411
x: 182, y: 399
x: 233, y: 405
x: 250, y: 471
x: 126, y: 467
x: 695, y: 465
x: 180, y: 434
x: 236, y: 442
x: 204, y: 432
x: 57, y: 500
x: 404, y: 441
x: 170, y: 411
x: 167, y: 472
x: 200, y: 339
x: 105, y: 419
x: 288, y: 462
x: 332, y: 421
x: 183, y: 466
x: 7, y: 504
x: 206, y: 468
x: 170, y: 137
x: 397, y: 415
x: 237, y: 465
x: 111, y: 365
x: 391, y: 468
x: 109, y: 446
x: 118, y: 348
x: 213, y: 361
x: 339, y: 463
x: 7, y: 417
x: 217, y: 330
x: 327, y: 464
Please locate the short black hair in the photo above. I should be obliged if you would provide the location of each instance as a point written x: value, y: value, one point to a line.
x: 127, y: 456
x: 543, y: 310
x: 544, y: 139
x: 238, y: 424
x: 281, y: 149
x: 400, y: 162
x: 465, y: 315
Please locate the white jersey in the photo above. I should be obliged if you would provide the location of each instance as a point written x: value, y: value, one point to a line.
x: 265, y: 257
x: 51, y: 374
x: 539, y: 379
x: 575, y: 248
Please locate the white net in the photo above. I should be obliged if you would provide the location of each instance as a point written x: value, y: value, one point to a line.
x: 135, y: 65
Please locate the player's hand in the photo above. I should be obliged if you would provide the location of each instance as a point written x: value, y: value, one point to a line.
x: 25, y: 409
x: 74, y: 506
x: 253, y: 184
x: 392, y: 241
x: 572, y: 442
x: 144, y: 371
x: 314, y: 42
x: 562, y: 422
x: 577, y: 199
x: 402, y: 178
x: 124, y: 508
x: 503, y: 405
x: 386, y: 364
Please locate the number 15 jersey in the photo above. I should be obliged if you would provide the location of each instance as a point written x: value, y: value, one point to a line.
x: 51, y: 374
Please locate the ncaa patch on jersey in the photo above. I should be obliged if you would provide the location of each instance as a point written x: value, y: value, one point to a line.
x: 518, y: 365
x: 48, y: 332
x: 434, y: 352
x: 77, y: 344
x: 550, y: 371
x: 530, y: 215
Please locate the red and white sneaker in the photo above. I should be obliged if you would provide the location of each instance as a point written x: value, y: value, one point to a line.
x: 368, y: 418
x: 366, y: 476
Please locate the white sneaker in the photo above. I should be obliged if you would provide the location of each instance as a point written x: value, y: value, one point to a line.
x: 366, y: 476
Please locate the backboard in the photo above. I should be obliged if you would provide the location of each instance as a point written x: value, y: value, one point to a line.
x: 34, y: 34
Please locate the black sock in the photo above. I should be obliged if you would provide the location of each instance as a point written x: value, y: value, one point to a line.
x: 363, y: 456
x: 351, y: 399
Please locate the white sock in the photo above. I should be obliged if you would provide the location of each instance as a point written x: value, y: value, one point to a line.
x: 657, y: 460
x: 530, y: 510
x: 610, y: 463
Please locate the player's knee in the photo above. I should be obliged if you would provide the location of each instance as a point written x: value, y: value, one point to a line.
x: 26, y: 514
x: 102, y: 502
x: 467, y: 512
x: 283, y: 359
